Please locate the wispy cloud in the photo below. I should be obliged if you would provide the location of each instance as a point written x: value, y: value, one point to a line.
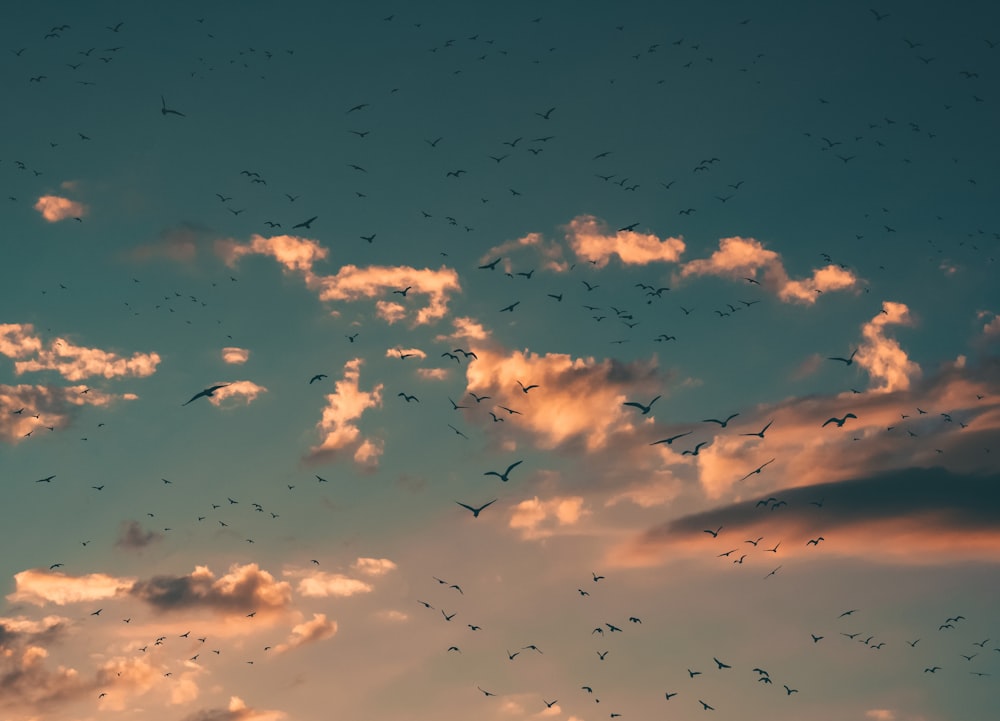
x: 316, y: 629
x: 55, y: 408
x: 39, y: 587
x: 884, y: 359
x: 236, y: 711
x: 234, y: 355
x: 132, y: 536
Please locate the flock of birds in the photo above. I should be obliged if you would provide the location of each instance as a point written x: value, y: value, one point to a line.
x: 686, y: 691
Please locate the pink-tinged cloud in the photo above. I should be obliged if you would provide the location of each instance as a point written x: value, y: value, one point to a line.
x: 55, y: 208
x: 56, y: 408
x: 885, y: 361
x: 740, y: 258
x: 578, y: 401
x: 352, y: 283
x: 39, y: 587
x: 591, y: 239
x: 400, y: 352
x: 240, y: 391
x: 549, y: 252
x: 320, y: 584
x: 316, y: 629
x: 465, y: 329
x: 535, y: 518
x: 344, y: 407
x: 71, y: 361
x: 292, y: 252
x: 433, y: 374
x: 236, y: 711
x: 244, y: 589
x: 235, y: 356
x: 373, y: 566
x: 992, y: 328
x: 900, y: 517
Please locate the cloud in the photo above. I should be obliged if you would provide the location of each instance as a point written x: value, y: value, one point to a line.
x: 292, y: 252
x: 374, y: 566
x: 317, y: 629
x: 19, y: 630
x: 465, y: 329
x: 433, y: 374
x: 740, y: 258
x: 234, y: 355
x: 992, y: 328
x: 338, y: 424
x: 180, y: 244
x: 245, y: 588
x: 72, y: 362
x: 536, y: 518
x: 56, y: 408
x: 900, y: 516
x: 319, y: 584
x: 882, y: 357
x: 247, y: 391
x: 39, y: 587
x: 550, y: 252
x: 880, y: 714
x: 400, y: 352
x: 352, y: 283
x: 577, y: 400
x: 236, y: 711
x: 55, y: 208
x: 133, y: 537
x: 592, y: 240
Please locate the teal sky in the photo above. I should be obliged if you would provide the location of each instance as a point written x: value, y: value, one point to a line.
x: 712, y: 286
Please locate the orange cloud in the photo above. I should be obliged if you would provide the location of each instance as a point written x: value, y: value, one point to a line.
x: 293, y: 252
x: 882, y: 357
x: 352, y: 283
x: 40, y: 587
x: 465, y: 329
x: 536, y: 518
x: 240, y: 390
x: 56, y: 407
x: 739, y: 258
x: 319, y: 584
x: 234, y: 355
x: 317, y: 629
x: 338, y: 424
x: 374, y: 566
x: 236, y: 711
x: 243, y: 589
x: 550, y: 252
x: 400, y: 352
x: 591, y: 239
x: 71, y: 361
x: 577, y: 400
x: 55, y: 208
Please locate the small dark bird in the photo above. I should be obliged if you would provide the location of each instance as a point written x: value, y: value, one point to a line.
x: 317, y: 377
x: 206, y: 393
x: 839, y: 421
x: 847, y: 361
x: 724, y: 423
x: 476, y: 511
x: 164, y: 110
x: 307, y: 224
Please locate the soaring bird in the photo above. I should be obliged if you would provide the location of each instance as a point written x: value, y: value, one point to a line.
x: 644, y: 408
x: 670, y: 440
x: 476, y: 511
x: 503, y: 476
x: 164, y: 110
x: 206, y: 393
x: 839, y: 421
x: 307, y: 224
x: 724, y: 423
x: 317, y: 377
x: 847, y: 361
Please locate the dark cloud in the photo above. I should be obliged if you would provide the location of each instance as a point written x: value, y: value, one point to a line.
x: 132, y: 536
x: 243, y: 589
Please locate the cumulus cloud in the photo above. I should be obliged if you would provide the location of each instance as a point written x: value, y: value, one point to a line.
x: 739, y: 258
x: 72, y: 362
x: 55, y: 208
x: 39, y: 587
x: 243, y: 589
x: 592, y: 240
x: 577, y: 400
x: 292, y: 252
x: 550, y: 252
x: 319, y: 584
x: 464, y: 329
x: 316, y: 629
x: 246, y: 391
x: 234, y: 355
x: 236, y: 711
x: 885, y: 361
x: 344, y: 407
x: 56, y: 407
x: 374, y: 566
x: 352, y: 283
x: 536, y: 518
x: 402, y: 352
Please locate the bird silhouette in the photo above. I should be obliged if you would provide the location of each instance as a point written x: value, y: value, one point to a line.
x: 503, y: 476
x: 476, y: 511
x: 644, y: 408
x: 164, y: 110
x: 670, y: 440
x: 839, y: 421
x: 208, y: 392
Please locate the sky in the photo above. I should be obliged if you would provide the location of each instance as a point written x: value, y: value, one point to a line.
x: 561, y: 361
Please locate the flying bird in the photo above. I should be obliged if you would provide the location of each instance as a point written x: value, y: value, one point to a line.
x: 670, y: 440
x: 839, y: 421
x: 503, y: 476
x: 307, y: 224
x: 846, y: 361
x: 164, y: 110
x: 476, y: 511
x: 724, y: 423
x: 206, y: 393
x: 644, y: 408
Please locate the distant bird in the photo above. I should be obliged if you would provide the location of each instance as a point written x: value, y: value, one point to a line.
x: 317, y: 377
x: 724, y: 423
x: 670, y: 440
x: 164, y: 110
x: 720, y: 664
x: 491, y: 265
x: 839, y: 421
x: 408, y: 398
x: 644, y: 408
x: 525, y: 389
x: 206, y: 393
x: 760, y: 433
x: 307, y: 224
x: 628, y: 228
x: 404, y: 291
x: 476, y: 511
x: 758, y: 469
x: 790, y: 691
x: 697, y: 448
x: 713, y: 534
x: 705, y: 706
x: 670, y: 695
x: 503, y: 476
x: 847, y: 361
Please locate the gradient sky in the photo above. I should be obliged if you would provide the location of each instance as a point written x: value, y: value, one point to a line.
x: 374, y: 227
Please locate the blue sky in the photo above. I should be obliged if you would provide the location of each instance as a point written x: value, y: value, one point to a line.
x: 278, y: 282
